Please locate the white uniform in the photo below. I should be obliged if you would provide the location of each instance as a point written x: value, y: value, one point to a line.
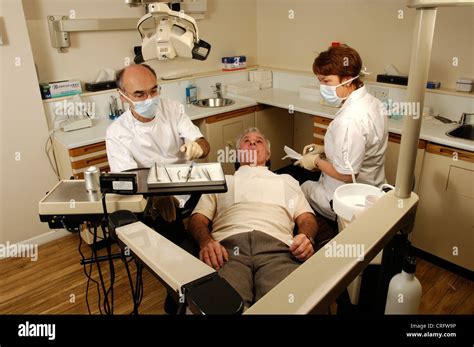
x: 358, y: 134
x: 132, y: 144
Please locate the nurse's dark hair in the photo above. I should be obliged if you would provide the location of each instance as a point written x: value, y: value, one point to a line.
x: 342, y: 60
x: 119, y: 75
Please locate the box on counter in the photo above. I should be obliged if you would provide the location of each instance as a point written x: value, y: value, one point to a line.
x: 464, y: 85
x: 310, y: 92
x: 264, y: 77
x: 59, y: 89
x: 234, y: 63
x: 242, y: 87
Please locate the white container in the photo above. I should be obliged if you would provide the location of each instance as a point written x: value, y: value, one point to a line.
x: 404, y: 291
x: 92, y: 179
x: 310, y: 92
x: 350, y: 199
x: 464, y: 85
x: 242, y: 87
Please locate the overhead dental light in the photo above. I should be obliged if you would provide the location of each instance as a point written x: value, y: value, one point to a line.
x: 167, y: 34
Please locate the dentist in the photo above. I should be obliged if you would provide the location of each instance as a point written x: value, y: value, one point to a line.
x: 153, y: 130
x: 356, y: 140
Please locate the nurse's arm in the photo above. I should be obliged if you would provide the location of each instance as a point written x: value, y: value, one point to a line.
x: 331, y: 171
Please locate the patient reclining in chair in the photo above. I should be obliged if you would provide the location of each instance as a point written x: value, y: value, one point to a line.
x: 246, y: 234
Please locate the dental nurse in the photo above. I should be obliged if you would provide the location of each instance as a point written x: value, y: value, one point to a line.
x: 356, y: 140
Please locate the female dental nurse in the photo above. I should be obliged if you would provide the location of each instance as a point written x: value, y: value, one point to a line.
x: 356, y: 139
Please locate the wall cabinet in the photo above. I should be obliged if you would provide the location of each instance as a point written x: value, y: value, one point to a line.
x: 74, y: 161
x: 444, y: 224
x: 223, y: 130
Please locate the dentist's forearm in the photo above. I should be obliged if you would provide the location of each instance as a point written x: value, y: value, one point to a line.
x: 204, y: 145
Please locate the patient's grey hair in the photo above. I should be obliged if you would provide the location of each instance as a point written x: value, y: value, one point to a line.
x: 254, y: 130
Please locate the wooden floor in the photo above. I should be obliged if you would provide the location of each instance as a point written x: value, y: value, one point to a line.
x: 56, y: 284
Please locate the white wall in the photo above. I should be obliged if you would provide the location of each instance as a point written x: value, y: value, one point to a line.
x: 229, y: 26
x: 24, y: 172
x: 370, y: 26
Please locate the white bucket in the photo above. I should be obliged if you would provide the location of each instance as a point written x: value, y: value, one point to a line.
x: 352, y: 199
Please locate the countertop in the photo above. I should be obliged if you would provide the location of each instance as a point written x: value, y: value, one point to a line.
x: 96, y: 133
x: 431, y: 129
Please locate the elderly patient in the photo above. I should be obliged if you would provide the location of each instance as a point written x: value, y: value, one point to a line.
x: 247, y: 233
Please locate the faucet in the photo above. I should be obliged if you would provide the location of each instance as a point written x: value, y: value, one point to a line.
x: 218, y: 90
x: 463, y: 118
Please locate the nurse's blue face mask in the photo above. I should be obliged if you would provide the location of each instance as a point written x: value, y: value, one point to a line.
x: 145, y: 108
x: 329, y: 93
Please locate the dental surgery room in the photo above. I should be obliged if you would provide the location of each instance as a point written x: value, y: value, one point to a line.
x: 150, y: 147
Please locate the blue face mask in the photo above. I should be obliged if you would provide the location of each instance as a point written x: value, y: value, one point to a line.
x: 329, y: 93
x: 145, y: 108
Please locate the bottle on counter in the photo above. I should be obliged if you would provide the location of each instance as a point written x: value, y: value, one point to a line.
x: 191, y: 93
x: 404, y: 290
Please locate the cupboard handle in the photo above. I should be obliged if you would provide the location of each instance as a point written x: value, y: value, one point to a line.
x: 96, y: 160
x: 93, y: 148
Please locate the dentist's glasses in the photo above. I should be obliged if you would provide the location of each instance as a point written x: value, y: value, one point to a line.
x: 143, y: 95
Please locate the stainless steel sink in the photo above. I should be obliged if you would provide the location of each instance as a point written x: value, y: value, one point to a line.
x: 465, y: 131
x: 214, y: 102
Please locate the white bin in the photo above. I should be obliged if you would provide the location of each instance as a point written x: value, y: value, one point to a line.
x: 349, y: 202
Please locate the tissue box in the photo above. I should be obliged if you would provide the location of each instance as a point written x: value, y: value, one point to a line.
x: 464, y: 85
x: 60, y: 88
x: 243, y: 87
x: 310, y: 92
x: 264, y: 77
x: 234, y: 63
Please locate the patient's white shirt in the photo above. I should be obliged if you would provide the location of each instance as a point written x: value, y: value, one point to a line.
x: 256, y: 199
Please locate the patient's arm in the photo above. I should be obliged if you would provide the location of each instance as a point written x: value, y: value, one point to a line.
x: 211, y: 252
x: 302, y: 247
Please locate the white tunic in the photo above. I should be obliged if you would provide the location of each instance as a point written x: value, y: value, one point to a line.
x: 132, y: 144
x: 359, y: 135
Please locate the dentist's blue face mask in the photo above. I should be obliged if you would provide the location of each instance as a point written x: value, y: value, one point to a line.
x: 329, y: 93
x: 145, y: 108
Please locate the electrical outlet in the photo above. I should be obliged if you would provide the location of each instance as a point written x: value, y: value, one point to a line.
x: 380, y: 93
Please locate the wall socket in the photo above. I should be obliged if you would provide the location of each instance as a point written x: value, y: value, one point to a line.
x: 380, y: 93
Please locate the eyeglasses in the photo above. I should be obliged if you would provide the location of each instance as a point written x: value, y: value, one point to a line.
x: 143, y: 95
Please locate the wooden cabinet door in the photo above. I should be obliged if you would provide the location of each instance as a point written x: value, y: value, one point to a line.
x: 277, y: 125
x: 223, y: 131
x: 391, y: 160
x: 444, y: 224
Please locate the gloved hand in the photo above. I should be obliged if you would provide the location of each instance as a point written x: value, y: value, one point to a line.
x: 308, y: 161
x: 193, y: 150
x: 313, y: 149
x: 165, y: 206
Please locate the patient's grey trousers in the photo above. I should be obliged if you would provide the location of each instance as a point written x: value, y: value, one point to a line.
x: 257, y: 263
